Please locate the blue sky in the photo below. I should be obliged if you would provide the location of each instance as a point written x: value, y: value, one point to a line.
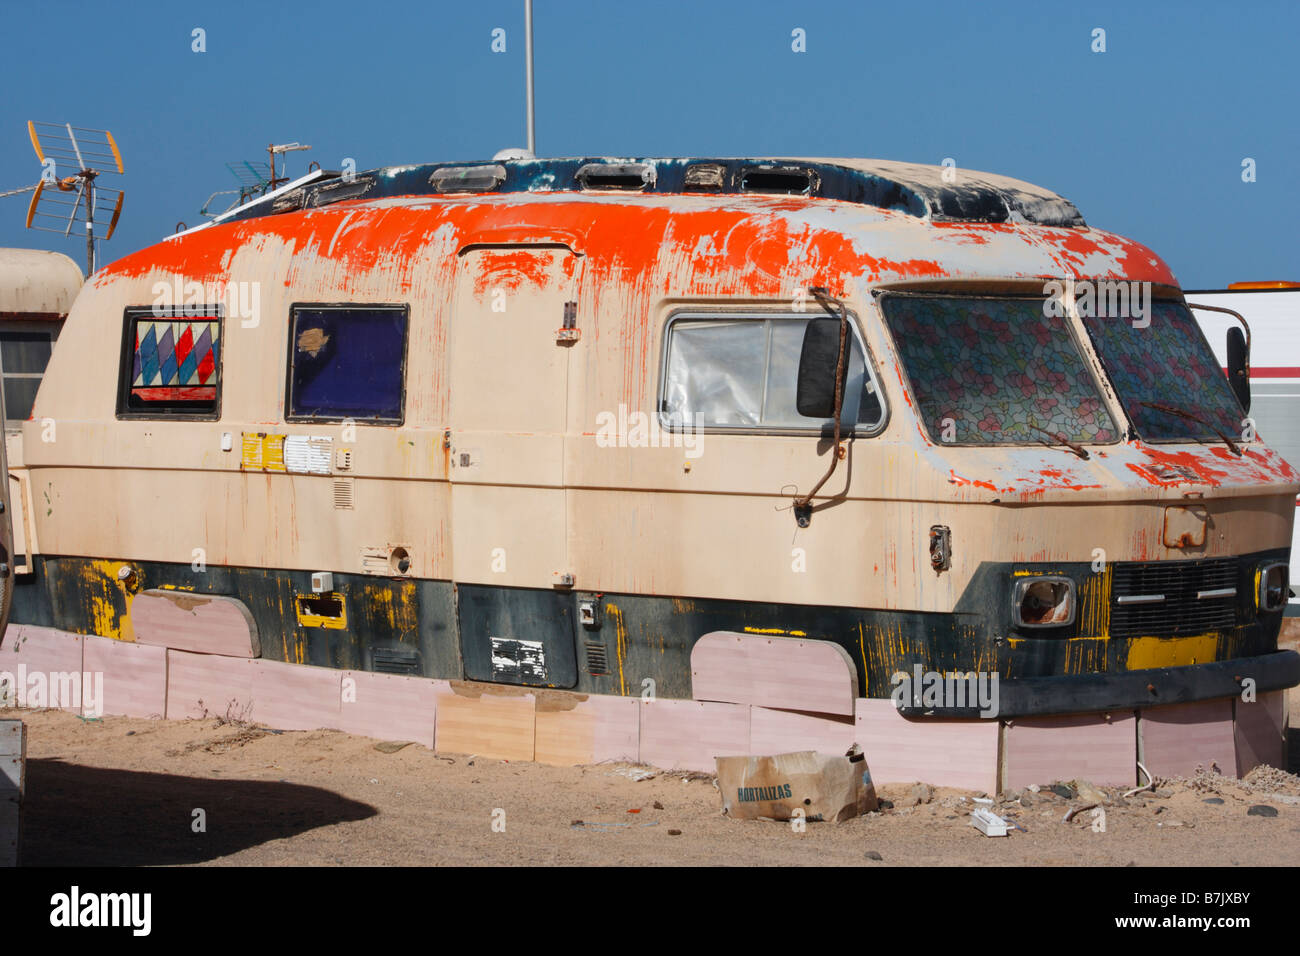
x: 1146, y: 138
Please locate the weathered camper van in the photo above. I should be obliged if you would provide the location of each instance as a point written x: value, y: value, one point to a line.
x: 547, y: 424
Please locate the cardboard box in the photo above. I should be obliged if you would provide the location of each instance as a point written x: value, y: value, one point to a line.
x: 823, y: 787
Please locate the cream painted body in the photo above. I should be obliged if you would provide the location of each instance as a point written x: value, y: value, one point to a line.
x: 497, y: 391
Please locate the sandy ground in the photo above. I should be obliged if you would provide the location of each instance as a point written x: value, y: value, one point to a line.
x: 120, y: 791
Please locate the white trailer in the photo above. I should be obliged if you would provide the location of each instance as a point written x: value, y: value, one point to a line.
x: 1272, y: 310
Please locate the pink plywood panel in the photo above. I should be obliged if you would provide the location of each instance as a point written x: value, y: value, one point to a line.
x: 946, y: 753
x: 579, y: 729
x: 296, y: 696
x: 1175, y: 739
x: 781, y: 672
x: 1076, y: 746
x: 787, y: 731
x: 134, y: 676
x: 1260, y: 732
x: 689, y: 734
x: 41, y: 667
x: 200, y: 623
x: 389, y: 706
x: 206, y: 685
x: 485, y: 720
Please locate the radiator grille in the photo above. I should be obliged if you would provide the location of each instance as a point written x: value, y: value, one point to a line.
x: 1181, y: 613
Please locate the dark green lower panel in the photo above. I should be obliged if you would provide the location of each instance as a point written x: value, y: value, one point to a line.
x: 627, y: 645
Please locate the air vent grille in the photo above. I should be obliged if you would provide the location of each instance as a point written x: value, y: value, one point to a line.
x: 343, y: 494
x: 395, y: 660
x: 597, y: 660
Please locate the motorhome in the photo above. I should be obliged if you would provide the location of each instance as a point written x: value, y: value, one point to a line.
x: 576, y: 424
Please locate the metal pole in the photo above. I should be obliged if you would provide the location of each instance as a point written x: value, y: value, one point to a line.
x: 528, y: 68
x: 90, y: 227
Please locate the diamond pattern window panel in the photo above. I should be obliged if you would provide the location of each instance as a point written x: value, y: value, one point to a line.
x: 172, y: 365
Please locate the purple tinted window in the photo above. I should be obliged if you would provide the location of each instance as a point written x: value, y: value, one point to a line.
x: 347, y: 363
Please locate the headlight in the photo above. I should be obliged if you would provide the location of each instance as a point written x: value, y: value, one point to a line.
x: 1043, y: 602
x: 1273, y: 589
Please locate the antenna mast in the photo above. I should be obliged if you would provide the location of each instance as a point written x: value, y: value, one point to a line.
x: 80, y: 147
x: 528, y: 70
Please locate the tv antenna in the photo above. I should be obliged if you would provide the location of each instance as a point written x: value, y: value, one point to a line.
x: 274, y: 151
x: 256, y: 179
x: 61, y: 201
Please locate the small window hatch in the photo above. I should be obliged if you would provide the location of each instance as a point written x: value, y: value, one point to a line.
x: 786, y: 181
x: 342, y: 190
x: 467, y: 179
x: 706, y: 177
x: 628, y: 176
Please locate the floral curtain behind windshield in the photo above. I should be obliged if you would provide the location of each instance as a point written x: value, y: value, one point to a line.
x: 1166, y: 363
x: 995, y: 370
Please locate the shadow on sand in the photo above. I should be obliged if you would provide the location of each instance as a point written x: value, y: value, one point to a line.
x: 89, y: 816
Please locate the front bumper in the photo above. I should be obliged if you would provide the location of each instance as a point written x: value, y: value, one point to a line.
x: 1129, y: 690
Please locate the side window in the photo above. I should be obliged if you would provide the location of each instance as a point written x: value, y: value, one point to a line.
x: 171, y: 363
x: 347, y: 362
x: 742, y: 372
x: 24, y: 353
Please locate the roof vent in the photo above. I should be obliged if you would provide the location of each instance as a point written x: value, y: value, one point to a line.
x: 631, y: 176
x: 782, y: 180
x: 467, y: 179
x: 341, y: 189
x: 706, y: 177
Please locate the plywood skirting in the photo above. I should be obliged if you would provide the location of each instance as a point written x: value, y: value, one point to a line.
x: 786, y: 731
x: 134, y: 676
x: 488, y: 720
x: 1174, y: 740
x: 199, y: 623
x: 37, y: 663
x: 1260, y: 730
x: 296, y: 696
x: 390, y: 706
x: 582, y: 729
x: 208, y: 685
x: 787, y: 673
x: 1043, y: 750
x: 689, y: 734
x: 946, y: 753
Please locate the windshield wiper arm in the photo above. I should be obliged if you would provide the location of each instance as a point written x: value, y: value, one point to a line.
x: 1182, y: 413
x: 1062, y: 440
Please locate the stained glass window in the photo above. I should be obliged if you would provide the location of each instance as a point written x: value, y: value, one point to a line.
x: 987, y: 370
x: 172, y: 363
x: 1166, y: 375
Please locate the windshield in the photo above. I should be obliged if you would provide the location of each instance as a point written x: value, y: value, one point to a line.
x: 995, y: 371
x: 1168, y: 364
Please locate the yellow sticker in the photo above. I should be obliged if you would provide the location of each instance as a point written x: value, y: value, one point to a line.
x: 273, y: 453
x: 250, y: 456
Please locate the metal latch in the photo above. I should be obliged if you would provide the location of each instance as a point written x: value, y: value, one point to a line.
x: 569, y: 332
